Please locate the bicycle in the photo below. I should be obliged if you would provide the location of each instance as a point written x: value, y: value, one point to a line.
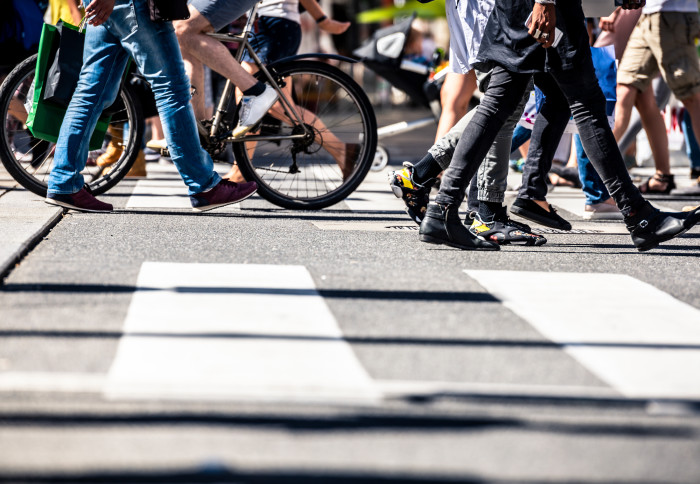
x: 29, y: 160
x: 292, y: 154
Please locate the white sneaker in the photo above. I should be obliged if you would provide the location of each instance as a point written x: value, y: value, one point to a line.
x: 253, y: 108
x: 157, y: 144
x: 602, y: 211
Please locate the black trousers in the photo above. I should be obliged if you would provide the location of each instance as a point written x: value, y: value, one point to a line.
x: 579, y: 90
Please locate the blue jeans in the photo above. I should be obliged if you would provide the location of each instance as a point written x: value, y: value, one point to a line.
x: 593, y: 186
x: 129, y: 32
x: 691, y: 144
x: 520, y: 135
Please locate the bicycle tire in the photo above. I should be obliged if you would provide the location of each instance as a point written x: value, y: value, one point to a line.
x: 32, y: 172
x: 343, y: 109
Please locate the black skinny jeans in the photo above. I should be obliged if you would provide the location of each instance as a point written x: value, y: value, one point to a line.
x: 587, y: 104
x: 549, y: 127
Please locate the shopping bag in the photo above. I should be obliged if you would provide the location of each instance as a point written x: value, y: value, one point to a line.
x: 45, y: 117
x: 62, y: 76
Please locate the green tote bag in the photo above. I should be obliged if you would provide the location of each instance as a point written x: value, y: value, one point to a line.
x: 46, y: 115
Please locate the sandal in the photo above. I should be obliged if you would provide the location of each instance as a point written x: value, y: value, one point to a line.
x: 667, y: 179
x: 568, y: 177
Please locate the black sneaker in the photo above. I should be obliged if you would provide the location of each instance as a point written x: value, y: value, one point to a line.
x: 503, y: 231
x: 528, y: 209
x: 442, y: 225
x: 652, y: 226
x: 414, y: 195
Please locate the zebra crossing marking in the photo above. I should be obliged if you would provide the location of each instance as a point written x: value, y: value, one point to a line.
x: 637, y: 338
x: 221, y: 331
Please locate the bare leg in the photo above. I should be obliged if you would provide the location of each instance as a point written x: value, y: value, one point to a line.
x: 198, y: 49
x: 454, y: 97
x: 626, y: 99
x: 654, y: 125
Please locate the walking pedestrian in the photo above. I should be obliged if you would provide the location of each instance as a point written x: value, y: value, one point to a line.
x: 117, y: 30
x: 514, y: 63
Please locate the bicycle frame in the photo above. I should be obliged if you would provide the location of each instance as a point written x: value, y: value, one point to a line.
x: 230, y: 89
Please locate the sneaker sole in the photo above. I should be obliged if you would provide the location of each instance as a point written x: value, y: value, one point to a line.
x: 536, y: 218
x: 432, y: 240
x: 219, y: 205
x: 73, y: 207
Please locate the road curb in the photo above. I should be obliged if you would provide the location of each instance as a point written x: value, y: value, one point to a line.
x: 10, y: 261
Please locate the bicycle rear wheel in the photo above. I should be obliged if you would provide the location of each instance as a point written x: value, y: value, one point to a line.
x: 29, y: 160
x: 325, y: 167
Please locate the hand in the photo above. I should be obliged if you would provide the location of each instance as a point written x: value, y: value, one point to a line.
x: 99, y: 11
x: 633, y: 4
x: 607, y: 24
x: 543, y: 23
x: 333, y: 26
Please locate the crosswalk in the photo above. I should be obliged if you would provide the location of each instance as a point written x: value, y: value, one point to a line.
x: 181, y: 341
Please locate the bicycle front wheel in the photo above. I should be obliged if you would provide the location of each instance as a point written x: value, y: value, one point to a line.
x: 331, y: 160
x: 29, y: 160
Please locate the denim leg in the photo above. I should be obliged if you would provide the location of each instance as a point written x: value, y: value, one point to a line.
x: 154, y: 48
x: 691, y: 144
x: 593, y: 187
x: 588, y: 108
x: 493, y: 172
x: 444, y: 148
x: 103, y: 66
x: 520, y: 135
x: 546, y: 133
x: 502, y: 96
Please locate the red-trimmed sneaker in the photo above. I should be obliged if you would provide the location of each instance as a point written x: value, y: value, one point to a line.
x: 224, y: 193
x: 83, y: 201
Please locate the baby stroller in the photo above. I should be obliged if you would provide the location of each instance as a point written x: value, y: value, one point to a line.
x: 383, y: 53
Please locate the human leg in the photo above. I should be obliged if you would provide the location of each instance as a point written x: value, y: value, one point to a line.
x: 171, y: 89
x: 662, y: 94
x: 655, y: 127
x: 200, y: 49
x: 104, y: 62
x: 588, y: 108
x: 598, y: 205
x: 531, y: 202
x: 455, y: 94
x: 502, y: 97
x: 441, y: 224
x: 692, y: 148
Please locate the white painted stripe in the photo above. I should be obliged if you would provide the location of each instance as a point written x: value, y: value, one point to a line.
x: 374, y: 195
x: 638, y: 339
x: 51, y: 382
x: 230, y: 331
x: 47, y: 382
x: 163, y: 189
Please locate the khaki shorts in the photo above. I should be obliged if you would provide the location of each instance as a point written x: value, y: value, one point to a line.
x: 663, y: 41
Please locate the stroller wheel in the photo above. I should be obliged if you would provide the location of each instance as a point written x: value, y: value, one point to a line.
x: 381, y: 159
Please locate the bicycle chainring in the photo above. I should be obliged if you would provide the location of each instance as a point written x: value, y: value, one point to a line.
x: 215, y: 148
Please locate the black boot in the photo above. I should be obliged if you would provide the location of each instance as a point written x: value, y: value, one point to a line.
x: 650, y: 226
x: 441, y: 225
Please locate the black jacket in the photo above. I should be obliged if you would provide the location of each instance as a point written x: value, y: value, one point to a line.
x: 507, y: 43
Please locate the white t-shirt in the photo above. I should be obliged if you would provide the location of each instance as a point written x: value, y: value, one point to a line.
x: 467, y: 21
x: 654, y: 6
x: 288, y: 9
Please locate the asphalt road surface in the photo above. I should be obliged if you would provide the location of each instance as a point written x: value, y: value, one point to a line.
x: 255, y: 344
